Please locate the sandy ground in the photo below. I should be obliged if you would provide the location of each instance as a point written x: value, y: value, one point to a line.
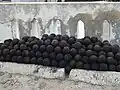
x: 22, y: 82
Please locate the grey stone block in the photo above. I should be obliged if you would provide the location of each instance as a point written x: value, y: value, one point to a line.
x: 52, y: 73
x: 17, y: 68
x: 95, y: 77
x: 37, y: 70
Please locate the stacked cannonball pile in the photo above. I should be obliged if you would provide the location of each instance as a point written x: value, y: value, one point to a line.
x: 62, y: 51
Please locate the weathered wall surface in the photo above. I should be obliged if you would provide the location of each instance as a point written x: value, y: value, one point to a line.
x: 16, y: 20
x: 100, y: 19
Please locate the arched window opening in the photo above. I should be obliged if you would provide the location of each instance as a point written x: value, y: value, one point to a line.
x: 35, y: 28
x: 54, y: 27
x: 80, y: 30
x: 57, y: 27
x: 107, y: 31
x: 51, y: 27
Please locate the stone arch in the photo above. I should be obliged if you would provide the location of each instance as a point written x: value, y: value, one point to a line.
x: 85, y: 18
x: 37, y: 28
x: 25, y: 28
x: 62, y: 28
x: 30, y: 28
x: 34, y: 31
x: 106, y: 30
x: 110, y: 16
x: 80, y: 30
x: 57, y: 27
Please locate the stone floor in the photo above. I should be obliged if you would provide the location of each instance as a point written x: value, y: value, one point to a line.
x: 25, y: 82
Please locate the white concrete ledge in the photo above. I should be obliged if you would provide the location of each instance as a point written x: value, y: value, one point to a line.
x: 52, y: 73
x: 95, y: 77
x: 37, y: 70
x: 17, y: 68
